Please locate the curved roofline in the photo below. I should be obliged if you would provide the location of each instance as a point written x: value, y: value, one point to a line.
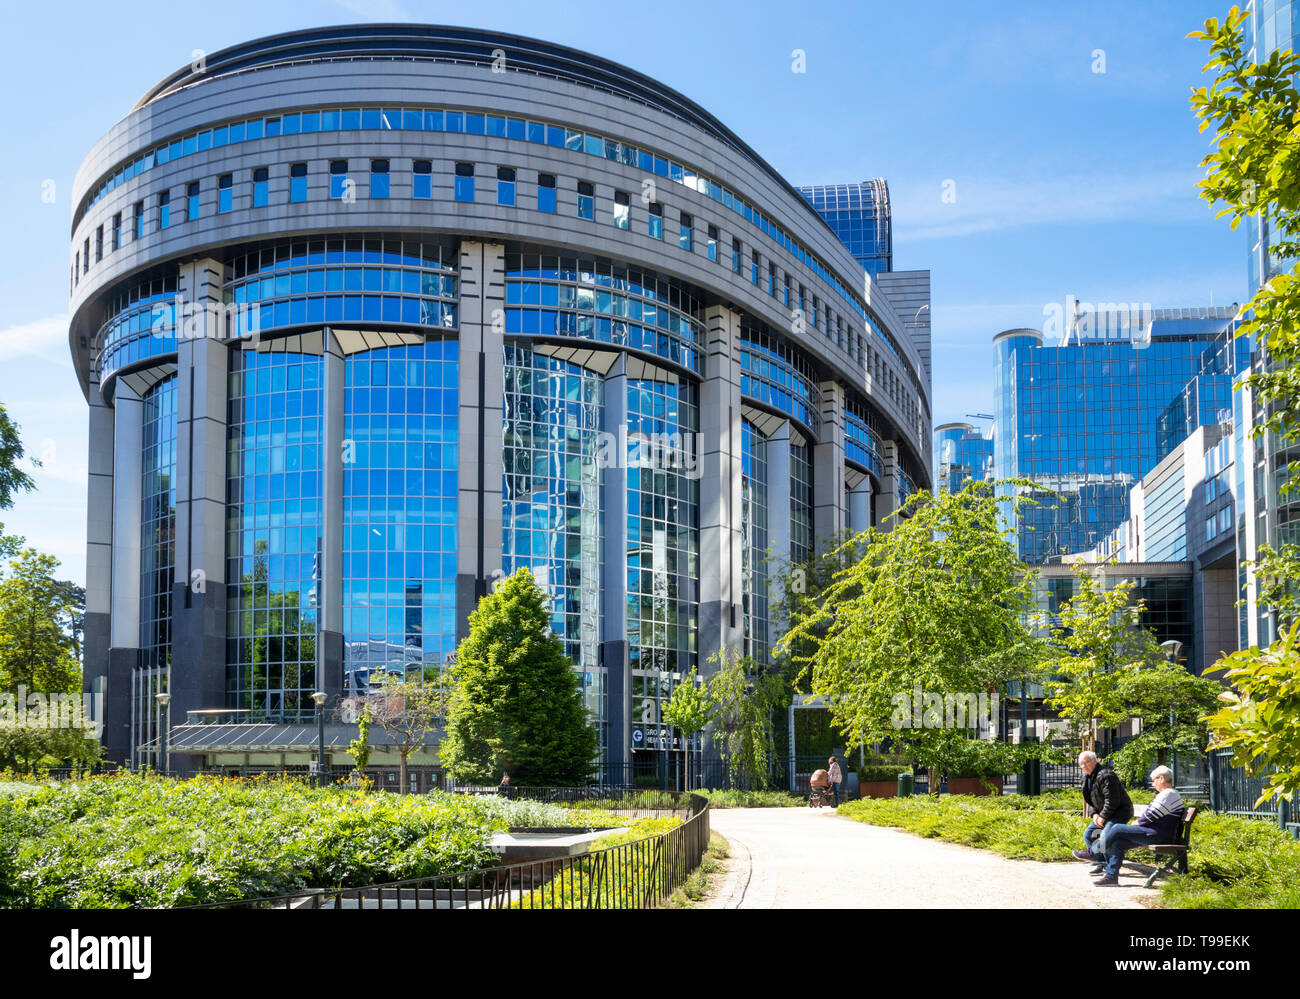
x: 469, y: 45
x: 954, y: 426
x: 1022, y: 331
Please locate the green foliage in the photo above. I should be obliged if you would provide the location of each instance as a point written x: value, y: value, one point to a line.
x: 689, y: 710
x: 1277, y: 581
x: 136, y: 840
x: 516, y: 705
x: 359, y: 748
x: 37, y: 647
x: 1151, y: 695
x: 25, y: 750
x: 408, y: 710
x: 1099, y: 638
x: 937, y: 602
x: 1260, y: 720
x: 12, y: 478
x: 1253, y: 169
x: 879, y: 772
x: 745, y: 698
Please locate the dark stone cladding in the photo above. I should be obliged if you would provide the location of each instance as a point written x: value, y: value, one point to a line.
x: 292, y: 71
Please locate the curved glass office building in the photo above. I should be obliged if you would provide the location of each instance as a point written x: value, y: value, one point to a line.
x: 368, y: 316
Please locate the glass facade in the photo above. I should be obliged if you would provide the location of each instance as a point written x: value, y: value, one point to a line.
x: 399, y: 509
x: 273, y: 515
x: 774, y: 372
x: 140, y: 324
x: 372, y: 279
x: 1082, y: 420
x: 754, y: 533
x: 801, y: 503
x: 603, y: 300
x: 961, y: 454
x: 551, y: 517
x: 860, y: 215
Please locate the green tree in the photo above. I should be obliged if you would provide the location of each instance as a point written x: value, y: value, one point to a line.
x: 1277, y: 580
x: 37, y: 649
x: 408, y: 710
x: 744, y: 696
x: 939, y: 602
x: 516, y: 705
x: 26, y: 749
x: 1253, y: 169
x: 689, y: 710
x: 1170, y: 703
x: 1260, y: 720
x: 359, y: 748
x: 1099, y: 636
x: 12, y: 478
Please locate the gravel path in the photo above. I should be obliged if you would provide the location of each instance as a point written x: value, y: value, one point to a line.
x: 801, y: 858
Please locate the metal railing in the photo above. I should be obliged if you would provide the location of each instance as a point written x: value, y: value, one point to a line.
x: 635, y: 875
x: 1233, y: 791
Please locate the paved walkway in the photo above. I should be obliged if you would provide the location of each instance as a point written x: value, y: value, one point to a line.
x: 802, y: 858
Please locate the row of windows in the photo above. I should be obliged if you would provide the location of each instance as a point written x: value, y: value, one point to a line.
x: 478, y: 123
x: 341, y: 186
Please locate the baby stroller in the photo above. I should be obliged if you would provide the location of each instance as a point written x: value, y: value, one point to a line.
x: 819, y: 789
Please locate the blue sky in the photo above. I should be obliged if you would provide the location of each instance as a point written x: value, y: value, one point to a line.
x: 1067, y: 181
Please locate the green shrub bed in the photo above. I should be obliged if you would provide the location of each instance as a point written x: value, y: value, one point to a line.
x: 133, y: 840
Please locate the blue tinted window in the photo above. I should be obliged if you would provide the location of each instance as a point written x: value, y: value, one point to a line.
x: 298, y: 182
x: 422, y: 179
x: 261, y: 191
x: 546, y: 192
x: 338, y: 178
x: 464, y: 188
x: 379, y: 178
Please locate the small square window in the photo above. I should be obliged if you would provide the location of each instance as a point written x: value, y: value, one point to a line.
x: 586, y: 200
x: 464, y: 189
x: 422, y: 179
x: 297, y: 182
x: 506, y: 186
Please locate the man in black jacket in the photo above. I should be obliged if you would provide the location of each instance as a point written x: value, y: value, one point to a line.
x: 1105, y: 802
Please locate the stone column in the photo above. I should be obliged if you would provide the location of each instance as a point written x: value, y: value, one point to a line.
x: 482, y: 396
x: 721, y: 607
x: 778, y: 522
x: 329, y: 583
x: 198, y: 674
x: 860, y: 506
x: 829, y: 518
x: 614, y: 644
x: 889, y: 499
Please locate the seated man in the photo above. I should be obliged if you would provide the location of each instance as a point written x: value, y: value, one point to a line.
x: 1160, y: 823
x: 1105, y: 802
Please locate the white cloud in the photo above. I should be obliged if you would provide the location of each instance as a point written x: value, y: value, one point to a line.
x: 46, y: 339
x: 1001, y: 202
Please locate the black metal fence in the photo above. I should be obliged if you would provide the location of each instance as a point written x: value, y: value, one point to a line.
x: 1234, y: 792
x: 635, y: 875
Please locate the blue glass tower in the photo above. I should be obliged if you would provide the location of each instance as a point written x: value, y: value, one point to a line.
x: 859, y: 214
x: 961, y: 454
x: 1082, y: 417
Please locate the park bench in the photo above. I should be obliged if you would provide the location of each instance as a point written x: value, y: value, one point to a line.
x: 1174, y: 853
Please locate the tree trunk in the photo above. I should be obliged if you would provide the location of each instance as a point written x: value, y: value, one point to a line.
x: 687, y: 781
x: 401, y: 772
x: 934, y: 779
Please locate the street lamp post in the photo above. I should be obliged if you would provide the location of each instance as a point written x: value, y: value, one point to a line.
x: 163, y: 700
x: 320, y: 697
x: 1171, y: 650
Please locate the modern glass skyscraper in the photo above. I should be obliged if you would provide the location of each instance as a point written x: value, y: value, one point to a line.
x: 370, y: 347
x: 961, y: 454
x: 1081, y: 418
x: 859, y: 214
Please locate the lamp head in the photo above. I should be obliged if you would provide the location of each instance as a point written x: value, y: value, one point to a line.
x: 163, y: 699
x: 320, y: 697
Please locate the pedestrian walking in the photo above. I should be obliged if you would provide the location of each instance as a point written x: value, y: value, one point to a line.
x: 836, y: 775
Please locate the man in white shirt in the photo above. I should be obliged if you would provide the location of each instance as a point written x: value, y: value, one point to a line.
x: 836, y: 776
x: 1160, y: 823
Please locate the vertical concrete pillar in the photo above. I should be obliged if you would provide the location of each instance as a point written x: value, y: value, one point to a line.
x: 890, y: 498
x: 198, y: 675
x: 860, y: 506
x: 329, y: 585
x: 721, y: 608
x: 111, y: 692
x: 614, y: 644
x: 482, y: 395
x: 778, y: 524
x: 128, y: 427
x: 829, y: 518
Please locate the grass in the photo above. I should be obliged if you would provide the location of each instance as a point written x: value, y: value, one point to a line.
x: 1234, y: 863
x: 700, y: 883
